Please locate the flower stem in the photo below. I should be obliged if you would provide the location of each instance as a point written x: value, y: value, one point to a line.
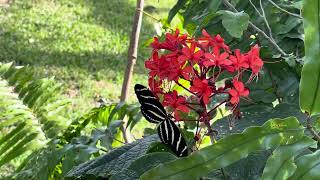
x: 185, y: 88
x: 312, y: 131
x: 217, y: 106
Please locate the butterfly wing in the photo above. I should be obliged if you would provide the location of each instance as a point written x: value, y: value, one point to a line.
x: 151, y: 108
x: 170, y: 135
x: 154, y: 112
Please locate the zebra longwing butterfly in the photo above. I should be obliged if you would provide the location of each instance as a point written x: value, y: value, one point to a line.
x: 154, y: 112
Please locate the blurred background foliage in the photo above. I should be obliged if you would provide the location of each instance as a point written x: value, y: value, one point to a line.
x: 69, y: 60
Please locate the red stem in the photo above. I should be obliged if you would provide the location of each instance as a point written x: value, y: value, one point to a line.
x: 193, y: 103
x: 185, y: 88
x: 191, y: 107
x: 217, y: 106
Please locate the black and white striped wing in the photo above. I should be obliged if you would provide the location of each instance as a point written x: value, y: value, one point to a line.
x: 151, y: 108
x: 170, y: 135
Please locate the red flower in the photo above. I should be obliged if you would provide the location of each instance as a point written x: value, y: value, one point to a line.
x: 238, y: 61
x: 216, y: 59
x: 158, y: 66
x: 216, y: 41
x: 190, y: 54
x: 155, y: 85
x: 238, y: 91
x: 254, y: 60
x: 174, y: 71
x: 201, y: 88
x: 178, y: 103
x: 172, y: 42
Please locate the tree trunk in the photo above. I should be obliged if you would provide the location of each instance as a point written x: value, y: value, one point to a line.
x: 132, y: 58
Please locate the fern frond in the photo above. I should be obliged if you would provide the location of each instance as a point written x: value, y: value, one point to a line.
x: 30, y: 111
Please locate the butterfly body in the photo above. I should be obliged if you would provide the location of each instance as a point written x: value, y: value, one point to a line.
x: 154, y: 112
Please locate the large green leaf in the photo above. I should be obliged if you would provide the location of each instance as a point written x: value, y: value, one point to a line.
x: 230, y: 149
x: 114, y: 162
x: 308, y: 167
x: 310, y: 77
x: 281, y: 164
x: 175, y: 9
x: 256, y: 115
x: 249, y: 168
x: 235, y: 23
x: 143, y: 164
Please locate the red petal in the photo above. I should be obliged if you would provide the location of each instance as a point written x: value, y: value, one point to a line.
x: 234, y: 100
x: 245, y: 92
x: 183, y: 108
x: 198, y: 54
x: 233, y: 93
x: 205, y: 33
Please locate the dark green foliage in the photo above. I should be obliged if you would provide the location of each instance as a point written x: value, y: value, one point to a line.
x: 114, y: 162
x: 33, y: 128
x: 230, y: 149
x: 143, y: 164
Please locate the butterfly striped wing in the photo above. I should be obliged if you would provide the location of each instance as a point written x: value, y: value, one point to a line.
x: 170, y: 135
x: 151, y: 108
x: 154, y: 112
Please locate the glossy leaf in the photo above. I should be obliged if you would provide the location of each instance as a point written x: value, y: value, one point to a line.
x: 256, y: 115
x: 310, y: 77
x: 281, y: 164
x: 230, y: 149
x: 235, y: 23
x: 308, y: 167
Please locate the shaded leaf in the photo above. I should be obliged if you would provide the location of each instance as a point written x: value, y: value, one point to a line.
x: 115, y: 161
x: 308, y: 167
x: 281, y: 164
x: 143, y: 164
x: 230, y: 149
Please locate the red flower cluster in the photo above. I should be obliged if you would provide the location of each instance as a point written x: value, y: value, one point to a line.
x: 199, y: 61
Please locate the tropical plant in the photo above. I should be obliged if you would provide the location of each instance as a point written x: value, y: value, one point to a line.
x: 38, y: 140
x: 30, y: 112
x: 258, y: 143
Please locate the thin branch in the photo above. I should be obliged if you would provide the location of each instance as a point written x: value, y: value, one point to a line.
x: 185, y: 88
x: 255, y: 8
x: 149, y: 15
x: 119, y: 141
x: 251, y: 25
x: 191, y: 108
x: 265, y: 20
x: 281, y: 9
x: 191, y: 103
x: 310, y: 128
x: 272, y: 62
x: 215, y: 107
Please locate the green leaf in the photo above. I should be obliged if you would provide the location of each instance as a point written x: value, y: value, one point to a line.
x: 115, y: 161
x: 256, y: 115
x: 229, y: 150
x: 250, y: 167
x: 308, y: 167
x: 281, y: 164
x: 234, y: 23
x: 143, y: 164
x: 173, y: 11
x: 310, y: 76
